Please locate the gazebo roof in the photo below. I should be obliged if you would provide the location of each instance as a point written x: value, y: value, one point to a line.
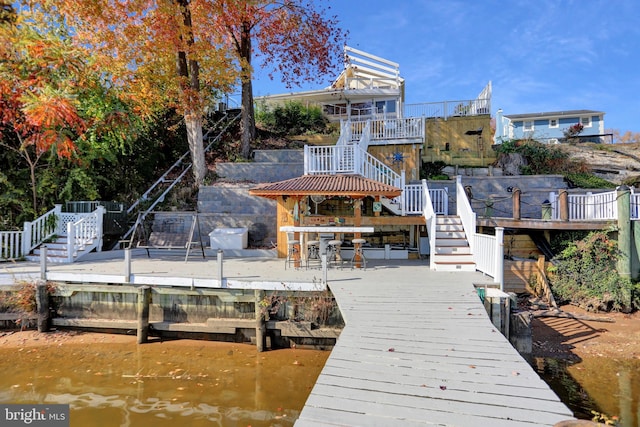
x: 326, y: 185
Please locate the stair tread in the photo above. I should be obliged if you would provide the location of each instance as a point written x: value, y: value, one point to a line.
x: 454, y: 262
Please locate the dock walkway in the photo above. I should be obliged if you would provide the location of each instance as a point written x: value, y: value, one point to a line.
x: 419, y: 351
x: 418, y: 348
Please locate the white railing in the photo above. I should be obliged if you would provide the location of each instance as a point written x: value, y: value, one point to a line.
x: 466, y: 214
x: 11, y: 245
x: 389, y: 129
x: 589, y: 206
x: 41, y: 229
x: 446, y: 109
x: 85, y: 231
x: 414, y: 199
x: 348, y: 159
x: 489, y: 255
x: 431, y: 219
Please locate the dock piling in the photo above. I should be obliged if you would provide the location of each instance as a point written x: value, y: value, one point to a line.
x: 144, y: 301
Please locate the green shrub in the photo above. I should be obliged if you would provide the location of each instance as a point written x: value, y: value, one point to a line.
x: 586, y: 180
x: 585, y: 274
x: 433, y: 170
x: 292, y: 118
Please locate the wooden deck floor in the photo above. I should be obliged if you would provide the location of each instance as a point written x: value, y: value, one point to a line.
x: 417, y: 354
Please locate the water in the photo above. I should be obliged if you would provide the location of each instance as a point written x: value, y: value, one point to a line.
x: 607, y: 386
x: 194, y: 383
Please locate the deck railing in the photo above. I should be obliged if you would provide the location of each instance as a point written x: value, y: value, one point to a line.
x: 389, y: 129
x: 466, y: 214
x: 430, y: 218
x: 11, y: 245
x: 446, y: 109
x: 489, y: 255
x: 589, y: 206
x: 41, y: 229
x: 87, y: 230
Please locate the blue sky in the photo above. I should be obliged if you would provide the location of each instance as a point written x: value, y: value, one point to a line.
x: 541, y: 55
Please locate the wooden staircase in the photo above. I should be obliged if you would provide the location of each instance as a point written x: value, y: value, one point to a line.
x: 452, y: 251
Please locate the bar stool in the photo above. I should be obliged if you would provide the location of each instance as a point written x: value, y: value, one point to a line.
x: 293, y: 252
x: 313, y: 253
x: 333, y: 253
x: 358, y: 253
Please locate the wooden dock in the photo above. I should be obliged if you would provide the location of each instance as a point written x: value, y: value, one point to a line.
x: 424, y: 352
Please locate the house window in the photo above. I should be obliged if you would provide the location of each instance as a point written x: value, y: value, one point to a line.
x: 585, y: 121
x: 527, y: 126
x: 553, y: 123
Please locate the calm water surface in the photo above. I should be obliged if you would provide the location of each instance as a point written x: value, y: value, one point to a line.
x: 608, y: 386
x: 191, y: 383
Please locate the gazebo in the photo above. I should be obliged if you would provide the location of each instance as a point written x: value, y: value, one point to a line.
x: 347, y: 196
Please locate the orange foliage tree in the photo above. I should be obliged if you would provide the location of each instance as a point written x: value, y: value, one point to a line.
x: 294, y: 38
x: 163, y: 53
x: 40, y: 74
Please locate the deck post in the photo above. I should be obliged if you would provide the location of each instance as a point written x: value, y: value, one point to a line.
x: 43, y: 262
x: 260, y: 321
x: 220, y: 275
x: 516, y: 203
x: 624, y: 231
x: 144, y: 300
x: 499, y: 258
x: 127, y: 265
x: 635, y: 262
x: 42, y: 306
x: 563, y: 204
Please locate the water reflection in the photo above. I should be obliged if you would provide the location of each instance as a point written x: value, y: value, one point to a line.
x: 163, y: 384
x: 607, y: 386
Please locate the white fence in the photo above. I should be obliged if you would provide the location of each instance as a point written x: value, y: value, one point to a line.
x: 80, y: 229
x: 589, y: 206
x: 489, y: 255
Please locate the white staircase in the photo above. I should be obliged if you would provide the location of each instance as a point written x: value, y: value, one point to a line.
x: 452, y: 251
x: 57, y: 250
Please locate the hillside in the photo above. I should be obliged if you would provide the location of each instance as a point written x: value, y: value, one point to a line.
x: 616, y: 163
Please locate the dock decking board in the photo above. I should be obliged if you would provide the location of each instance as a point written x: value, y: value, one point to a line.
x: 425, y: 353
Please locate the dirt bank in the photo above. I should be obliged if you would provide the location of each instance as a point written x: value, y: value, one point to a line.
x: 575, y: 339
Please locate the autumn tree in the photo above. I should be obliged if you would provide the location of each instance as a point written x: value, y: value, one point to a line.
x: 39, y: 77
x: 160, y: 54
x: 293, y: 38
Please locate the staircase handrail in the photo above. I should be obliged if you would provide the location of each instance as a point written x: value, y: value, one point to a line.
x: 345, y: 133
x: 431, y: 219
x: 466, y: 214
x: 42, y: 228
x: 178, y: 162
x: 86, y: 230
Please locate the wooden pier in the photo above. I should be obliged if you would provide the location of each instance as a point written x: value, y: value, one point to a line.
x: 423, y: 352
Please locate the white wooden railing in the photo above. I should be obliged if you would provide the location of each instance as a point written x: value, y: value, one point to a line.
x: 17, y: 244
x: 446, y: 109
x: 87, y: 230
x: 11, y: 245
x: 414, y: 199
x: 466, y: 214
x: 336, y: 159
x: 489, y: 255
x: 589, y: 206
x: 430, y: 218
x: 388, y: 129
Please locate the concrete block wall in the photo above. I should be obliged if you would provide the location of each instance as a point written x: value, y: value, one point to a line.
x: 268, y: 166
x: 231, y: 206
